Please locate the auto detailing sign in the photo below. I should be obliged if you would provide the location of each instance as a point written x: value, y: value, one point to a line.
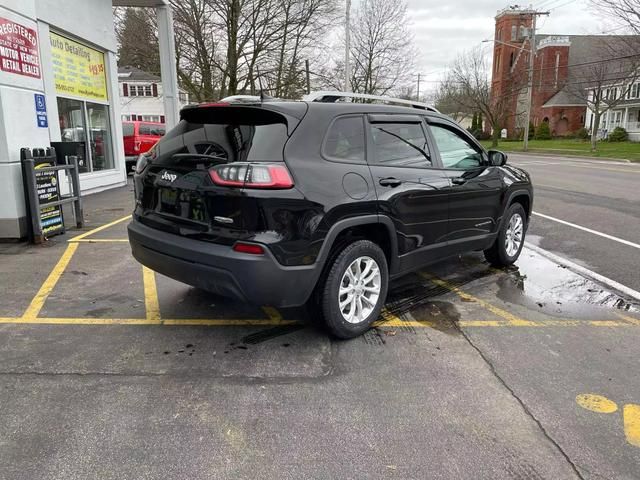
x: 78, y: 70
x: 18, y: 49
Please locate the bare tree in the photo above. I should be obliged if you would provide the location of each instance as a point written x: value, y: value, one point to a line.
x: 381, y: 47
x: 468, y: 89
x: 624, y: 12
x: 448, y: 100
x: 604, y: 81
x: 138, y: 43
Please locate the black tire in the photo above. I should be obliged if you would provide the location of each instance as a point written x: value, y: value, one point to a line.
x: 329, y: 289
x: 497, y: 254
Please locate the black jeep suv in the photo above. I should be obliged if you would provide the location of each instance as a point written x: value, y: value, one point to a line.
x: 292, y: 203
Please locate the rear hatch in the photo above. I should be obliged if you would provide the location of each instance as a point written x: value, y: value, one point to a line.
x: 200, y: 175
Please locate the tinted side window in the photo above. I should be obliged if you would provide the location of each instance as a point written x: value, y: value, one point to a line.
x: 455, y: 151
x: 151, y: 129
x: 400, y: 145
x: 127, y: 129
x: 345, y: 140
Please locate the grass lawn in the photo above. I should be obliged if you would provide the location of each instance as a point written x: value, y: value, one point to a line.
x: 624, y: 150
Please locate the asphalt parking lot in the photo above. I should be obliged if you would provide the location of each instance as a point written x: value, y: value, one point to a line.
x: 110, y: 371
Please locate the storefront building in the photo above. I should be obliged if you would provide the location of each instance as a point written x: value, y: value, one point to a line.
x: 58, y: 86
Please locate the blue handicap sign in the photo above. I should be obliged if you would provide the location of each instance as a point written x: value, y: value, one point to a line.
x: 41, y: 110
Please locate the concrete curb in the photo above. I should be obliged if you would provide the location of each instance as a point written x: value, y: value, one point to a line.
x: 570, y: 157
x: 590, y: 274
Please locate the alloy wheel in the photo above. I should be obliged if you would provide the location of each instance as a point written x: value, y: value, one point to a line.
x: 359, y: 289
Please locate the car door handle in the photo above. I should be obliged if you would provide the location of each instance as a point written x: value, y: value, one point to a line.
x: 458, y: 180
x: 390, y: 182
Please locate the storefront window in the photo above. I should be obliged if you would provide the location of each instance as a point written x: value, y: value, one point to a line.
x: 73, y: 131
x: 80, y: 73
x: 99, y: 136
x: 87, y: 124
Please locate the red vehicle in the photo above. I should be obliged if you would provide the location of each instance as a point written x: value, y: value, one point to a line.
x: 139, y: 137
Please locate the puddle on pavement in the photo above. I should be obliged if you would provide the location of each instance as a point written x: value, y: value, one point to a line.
x: 535, y: 283
x: 544, y: 286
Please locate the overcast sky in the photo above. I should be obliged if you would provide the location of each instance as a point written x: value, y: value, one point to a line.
x: 443, y: 28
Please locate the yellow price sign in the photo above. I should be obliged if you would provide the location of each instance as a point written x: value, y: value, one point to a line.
x: 78, y: 70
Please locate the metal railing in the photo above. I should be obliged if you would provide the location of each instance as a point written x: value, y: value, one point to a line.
x: 35, y: 165
x: 629, y: 126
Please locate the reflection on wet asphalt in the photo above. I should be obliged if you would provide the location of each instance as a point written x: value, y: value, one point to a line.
x: 535, y: 285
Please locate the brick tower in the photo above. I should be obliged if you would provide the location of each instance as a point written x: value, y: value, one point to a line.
x: 550, y: 102
x: 511, y: 49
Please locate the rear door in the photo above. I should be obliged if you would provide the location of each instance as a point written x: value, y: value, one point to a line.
x: 411, y: 189
x: 475, y: 188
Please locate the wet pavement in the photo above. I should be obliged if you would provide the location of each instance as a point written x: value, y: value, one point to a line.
x: 110, y: 371
x: 597, y: 195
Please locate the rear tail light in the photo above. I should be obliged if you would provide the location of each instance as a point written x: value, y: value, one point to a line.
x: 252, y: 175
x: 248, y: 248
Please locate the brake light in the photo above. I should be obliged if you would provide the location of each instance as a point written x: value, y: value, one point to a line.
x: 248, y: 248
x: 252, y: 175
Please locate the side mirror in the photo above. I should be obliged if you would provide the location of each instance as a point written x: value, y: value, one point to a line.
x: 497, y: 158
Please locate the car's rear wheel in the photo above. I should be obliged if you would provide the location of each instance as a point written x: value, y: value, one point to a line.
x: 355, y: 289
x: 508, y: 245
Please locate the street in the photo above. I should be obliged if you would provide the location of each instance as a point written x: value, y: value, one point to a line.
x: 597, y: 195
x: 109, y: 371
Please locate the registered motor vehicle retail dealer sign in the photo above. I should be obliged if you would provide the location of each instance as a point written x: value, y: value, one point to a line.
x: 18, y: 49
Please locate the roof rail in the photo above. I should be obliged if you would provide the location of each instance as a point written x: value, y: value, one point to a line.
x: 242, y: 98
x: 331, y: 97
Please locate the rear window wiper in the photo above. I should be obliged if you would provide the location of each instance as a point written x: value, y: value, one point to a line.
x: 198, y: 156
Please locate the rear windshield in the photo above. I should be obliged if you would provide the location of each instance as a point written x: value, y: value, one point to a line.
x: 151, y: 129
x: 127, y: 129
x: 237, y: 136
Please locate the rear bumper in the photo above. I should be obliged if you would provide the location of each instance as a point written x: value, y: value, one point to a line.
x: 256, y: 279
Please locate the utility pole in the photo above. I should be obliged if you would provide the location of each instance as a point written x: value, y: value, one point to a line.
x: 347, y: 47
x: 532, y: 54
x: 418, y: 95
x: 306, y: 66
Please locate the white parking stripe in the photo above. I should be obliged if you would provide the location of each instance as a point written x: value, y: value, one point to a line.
x: 585, y: 229
x: 585, y: 271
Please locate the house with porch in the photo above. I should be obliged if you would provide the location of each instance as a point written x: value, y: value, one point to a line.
x: 625, y: 114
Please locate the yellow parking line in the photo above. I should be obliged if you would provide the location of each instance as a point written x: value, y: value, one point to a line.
x: 273, y: 314
x: 509, y: 317
x: 78, y: 321
x: 100, y: 240
x: 629, y: 319
x: 38, y: 301
x: 152, y: 306
x: 631, y: 416
x: 99, y: 229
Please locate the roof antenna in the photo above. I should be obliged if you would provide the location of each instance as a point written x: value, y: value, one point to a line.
x: 263, y: 96
x: 260, y: 84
